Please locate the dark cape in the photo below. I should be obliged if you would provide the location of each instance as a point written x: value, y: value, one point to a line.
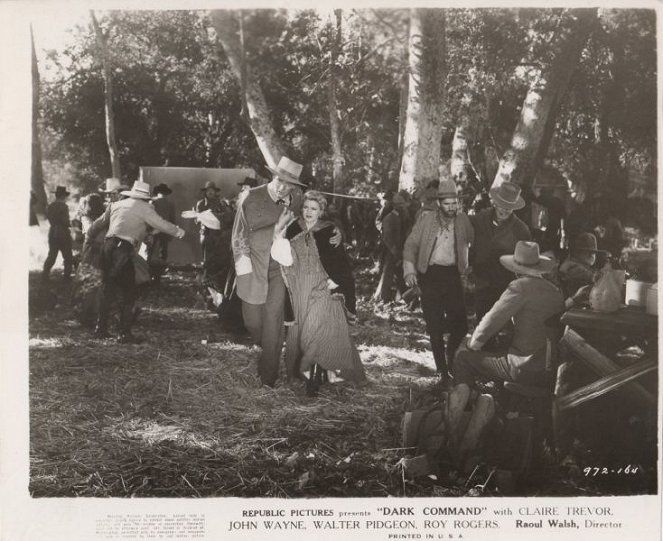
x: 334, y: 260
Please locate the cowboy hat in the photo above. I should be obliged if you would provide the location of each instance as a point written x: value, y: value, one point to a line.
x: 507, y: 196
x: 210, y: 185
x: 162, y: 188
x: 526, y: 260
x: 140, y: 190
x: 288, y: 171
x: 61, y: 191
x: 446, y: 189
x: 585, y: 242
x: 248, y: 181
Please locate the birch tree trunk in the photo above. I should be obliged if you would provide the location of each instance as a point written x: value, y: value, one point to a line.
x: 102, y: 46
x: 427, y: 73
x: 535, y: 128
x: 36, y: 173
x: 272, y: 147
x: 334, y: 124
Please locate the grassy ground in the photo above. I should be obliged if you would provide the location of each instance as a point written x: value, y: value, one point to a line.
x: 183, y: 414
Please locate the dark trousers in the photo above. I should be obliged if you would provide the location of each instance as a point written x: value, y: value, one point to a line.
x: 443, y: 305
x: 265, y: 323
x: 118, y: 283
x: 217, y: 257
x: 392, y: 275
x: 63, y: 246
x: 157, y: 254
x: 493, y: 366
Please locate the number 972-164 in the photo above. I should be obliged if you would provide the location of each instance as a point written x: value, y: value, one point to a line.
x: 594, y: 471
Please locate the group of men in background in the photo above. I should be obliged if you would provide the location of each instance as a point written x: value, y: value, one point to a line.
x: 428, y: 249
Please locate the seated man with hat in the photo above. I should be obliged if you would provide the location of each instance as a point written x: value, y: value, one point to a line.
x: 435, y: 257
x: 496, y: 232
x: 127, y: 221
x: 577, y: 270
x: 260, y: 283
x: 529, y: 301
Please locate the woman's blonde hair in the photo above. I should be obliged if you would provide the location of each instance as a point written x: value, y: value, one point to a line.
x: 320, y: 199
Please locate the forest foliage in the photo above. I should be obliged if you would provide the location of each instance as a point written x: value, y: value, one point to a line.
x: 177, y: 102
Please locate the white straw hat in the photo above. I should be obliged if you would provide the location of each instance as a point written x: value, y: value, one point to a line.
x: 140, y: 190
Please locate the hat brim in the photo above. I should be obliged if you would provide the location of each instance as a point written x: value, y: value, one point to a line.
x: 205, y: 188
x: 502, y: 203
x: 135, y: 195
x: 447, y: 195
x: 544, y: 265
x: 286, y: 177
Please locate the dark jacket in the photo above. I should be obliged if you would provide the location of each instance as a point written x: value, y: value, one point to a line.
x: 492, y: 241
x: 333, y: 259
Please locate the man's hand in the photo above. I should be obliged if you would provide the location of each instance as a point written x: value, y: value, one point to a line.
x: 336, y: 239
x: 411, y: 280
x: 580, y: 297
x: 180, y: 233
x: 285, y: 219
x: 470, y: 344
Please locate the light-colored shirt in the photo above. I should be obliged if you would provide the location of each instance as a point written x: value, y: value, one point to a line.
x: 129, y: 219
x: 444, y: 252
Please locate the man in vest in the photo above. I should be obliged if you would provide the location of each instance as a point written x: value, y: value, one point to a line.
x: 435, y: 258
x: 260, y: 284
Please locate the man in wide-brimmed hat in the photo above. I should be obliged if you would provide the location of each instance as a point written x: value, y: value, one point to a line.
x: 260, y: 284
x: 435, y: 258
x: 577, y: 270
x: 215, y: 243
x: 496, y: 232
x: 127, y: 221
x: 529, y: 301
x: 157, y: 249
x: 59, y: 236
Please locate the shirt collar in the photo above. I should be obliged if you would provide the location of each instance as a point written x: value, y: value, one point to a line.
x: 275, y: 198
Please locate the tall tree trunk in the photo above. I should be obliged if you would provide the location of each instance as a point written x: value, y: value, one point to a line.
x: 535, y: 128
x: 272, y: 147
x: 465, y: 133
x: 427, y: 73
x: 36, y: 173
x: 334, y: 124
x: 402, y: 108
x: 102, y: 46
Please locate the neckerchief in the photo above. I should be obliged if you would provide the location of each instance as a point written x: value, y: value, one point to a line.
x: 444, y: 225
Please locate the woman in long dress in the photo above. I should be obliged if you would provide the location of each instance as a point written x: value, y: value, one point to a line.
x: 321, y: 294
